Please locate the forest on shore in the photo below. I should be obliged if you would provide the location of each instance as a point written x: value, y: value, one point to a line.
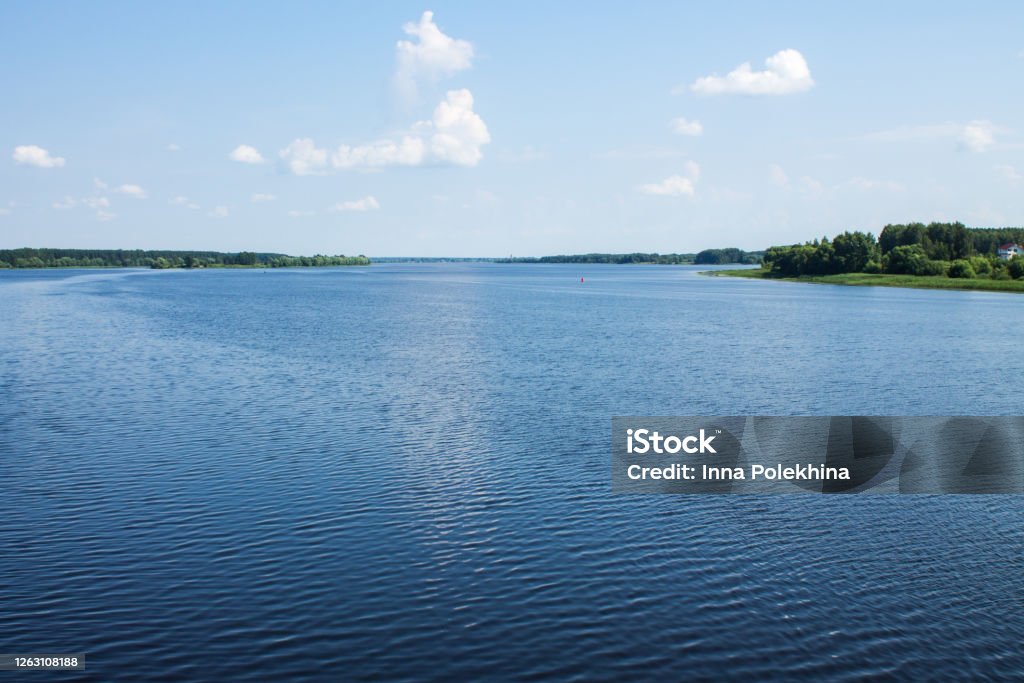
x: 139, y: 258
x: 707, y: 257
x: 949, y: 250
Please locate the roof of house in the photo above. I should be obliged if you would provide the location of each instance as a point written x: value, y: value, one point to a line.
x: 1010, y: 245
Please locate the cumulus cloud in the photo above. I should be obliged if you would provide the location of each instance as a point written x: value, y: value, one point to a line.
x: 681, y: 126
x: 132, y: 191
x: 219, y: 212
x: 33, y: 155
x: 409, y: 151
x: 459, y: 132
x: 180, y: 200
x: 258, y: 197
x: 246, y: 155
x: 454, y: 135
x: 303, y: 157
x: 368, y: 203
x: 65, y: 204
x: 675, y: 185
x: 431, y: 56
x: 785, y: 72
x: 105, y: 216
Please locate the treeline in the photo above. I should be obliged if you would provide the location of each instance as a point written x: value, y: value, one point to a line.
x: 139, y: 258
x: 936, y: 249
x: 708, y: 256
x: 728, y: 255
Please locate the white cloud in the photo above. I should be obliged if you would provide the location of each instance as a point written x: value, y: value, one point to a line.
x: 459, y: 132
x: 96, y: 202
x: 410, y: 151
x: 786, y: 72
x: 258, y: 197
x: 455, y: 135
x: 365, y: 204
x: 4, y: 211
x: 173, y: 147
x: 219, y: 212
x: 105, y: 216
x: 132, y: 191
x: 977, y: 136
x: 433, y: 55
x: 192, y: 205
x: 778, y: 175
x: 681, y: 126
x: 33, y: 155
x: 304, y: 158
x: 295, y: 213
x: 675, y: 185
x: 65, y: 204
x: 247, y: 155
x: 180, y: 200
x: 1009, y: 172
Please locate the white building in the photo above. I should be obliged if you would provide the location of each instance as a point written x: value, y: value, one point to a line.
x: 1009, y: 251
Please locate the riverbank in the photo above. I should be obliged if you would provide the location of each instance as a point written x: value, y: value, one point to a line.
x: 883, y: 280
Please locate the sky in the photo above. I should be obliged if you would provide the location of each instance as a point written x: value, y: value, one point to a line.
x: 487, y: 129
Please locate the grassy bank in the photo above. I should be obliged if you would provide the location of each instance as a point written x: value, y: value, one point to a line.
x: 884, y: 280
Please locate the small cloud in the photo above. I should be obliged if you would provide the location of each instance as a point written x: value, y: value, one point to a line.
x: 258, y: 197
x: 247, y: 155
x: 99, y: 184
x: 674, y: 185
x: 132, y: 191
x: 778, y: 175
x: 65, y: 204
x: 179, y: 200
x: 33, y: 155
x: 365, y: 204
x: 173, y: 147
x: 786, y: 72
x: 96, y: 202
x: 295, y: 213
x: 681, y: 126
x: 978, y: 135
x: 303, y: 157
x: 192, y: 205
x: 105, y: 216
x: 434, y: 55
x: 219, y: 212
x: 4, y: 211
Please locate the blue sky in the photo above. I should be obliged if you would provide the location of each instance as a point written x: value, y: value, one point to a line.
x: 491, y: 130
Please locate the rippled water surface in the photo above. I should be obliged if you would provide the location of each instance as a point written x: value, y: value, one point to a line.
x: 402, y: 472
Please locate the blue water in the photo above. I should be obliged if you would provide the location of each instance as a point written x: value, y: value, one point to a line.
x: 402, y: 472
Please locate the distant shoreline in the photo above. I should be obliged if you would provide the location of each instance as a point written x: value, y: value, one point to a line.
x: 881, y: 280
